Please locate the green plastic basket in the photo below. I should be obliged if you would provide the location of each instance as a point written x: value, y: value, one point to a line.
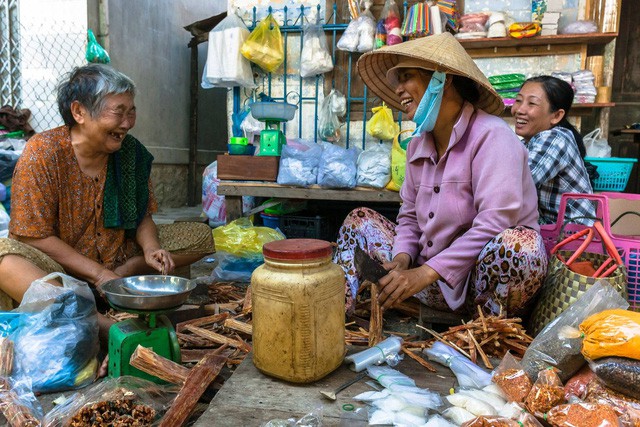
x: 614, y: 172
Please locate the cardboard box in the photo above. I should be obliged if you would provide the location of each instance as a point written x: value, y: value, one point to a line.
x: 248, y: 168
x: 550, y: 18
x: 549, y: 30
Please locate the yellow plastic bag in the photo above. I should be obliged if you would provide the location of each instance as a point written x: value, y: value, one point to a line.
x: 398, y: 162
x: 264, y: 45
x: 381, y: 125
x: 611, y: 333
x: 241, y: 238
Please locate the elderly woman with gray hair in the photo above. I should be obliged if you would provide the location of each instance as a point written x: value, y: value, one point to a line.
x: 82, y: 196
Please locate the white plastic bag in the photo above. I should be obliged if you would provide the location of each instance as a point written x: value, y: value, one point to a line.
x: 374, y: 166
x: 468, y: 373
x: 595, y: 145
x: 225, y: 66
x: 315, y: 57
x: 333, y: 106
x: 337, y: 167
x: 359, y: 35
x: 213, y: 205
x: 299, y: 164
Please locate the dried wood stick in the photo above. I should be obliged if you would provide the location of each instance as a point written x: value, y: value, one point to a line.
x: 483, y: 356
x: 199, y: 378
x: 152, y: 363
x: 444, y: 341
x: 418, y: 359
x: 215, y: 308
x: 237, y: 325
x: 6, y: 357
x: 376, y: 320
x: 246, y: 305
x: 17, y: 415
x: 202, y: 321
x: 218, y: 338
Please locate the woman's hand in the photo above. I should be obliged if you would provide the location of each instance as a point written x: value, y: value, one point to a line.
x: 103, y: 277
x: 160, y: 260
x: 400, y: 262
x: 399, y: 285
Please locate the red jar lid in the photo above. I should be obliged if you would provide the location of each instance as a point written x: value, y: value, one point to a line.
x: 295, y: 249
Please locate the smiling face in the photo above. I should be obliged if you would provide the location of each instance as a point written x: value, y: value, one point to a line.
x: 532, y: 111
x: 105, y: 131
x: 411, y: 84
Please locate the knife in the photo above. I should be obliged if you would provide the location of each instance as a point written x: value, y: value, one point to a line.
x: 367, y: 267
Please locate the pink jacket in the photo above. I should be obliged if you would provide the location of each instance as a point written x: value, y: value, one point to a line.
x: 451, y: 208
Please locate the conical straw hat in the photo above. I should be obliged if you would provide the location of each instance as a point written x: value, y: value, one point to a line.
x: 440, y: 52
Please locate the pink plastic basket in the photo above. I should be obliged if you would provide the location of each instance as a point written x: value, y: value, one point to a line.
x: 625, y: 235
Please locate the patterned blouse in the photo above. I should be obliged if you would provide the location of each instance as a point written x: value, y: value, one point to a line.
x: 51, y: 196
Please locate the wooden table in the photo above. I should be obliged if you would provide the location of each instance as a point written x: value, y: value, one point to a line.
x: 250, y: 398
x: 234, y: 190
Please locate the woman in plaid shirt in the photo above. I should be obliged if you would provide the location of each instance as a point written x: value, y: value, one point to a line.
x: 556, y: 150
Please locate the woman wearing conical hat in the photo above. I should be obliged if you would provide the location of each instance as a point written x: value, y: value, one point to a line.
x: 467, y: 230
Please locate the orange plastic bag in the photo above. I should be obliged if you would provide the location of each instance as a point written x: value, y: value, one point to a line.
x: 611, y: 333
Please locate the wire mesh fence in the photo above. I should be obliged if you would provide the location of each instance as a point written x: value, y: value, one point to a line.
x: 33, y: 57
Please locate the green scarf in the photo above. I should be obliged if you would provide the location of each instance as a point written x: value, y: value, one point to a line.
x: 126, y: 190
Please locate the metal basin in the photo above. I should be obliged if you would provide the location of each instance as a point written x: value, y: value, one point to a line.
x: 153, y: 292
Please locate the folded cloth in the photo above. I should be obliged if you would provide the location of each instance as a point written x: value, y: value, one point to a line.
x: 126, y: 190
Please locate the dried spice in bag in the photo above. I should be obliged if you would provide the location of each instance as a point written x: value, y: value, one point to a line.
x: 546, y: 393
x: 489, y: 421
x: 627, y: 408
x: 611, y: 333
x: 512, y: 379
x: 582, y: 415
x: 619, y: 374
x: 577, y: 385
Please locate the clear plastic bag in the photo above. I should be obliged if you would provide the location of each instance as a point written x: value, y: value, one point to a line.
x: 337, y: 167
x: 18, y: 404
x: 95, y: 53
x: 125, y: 397
x: 55, y: 334
x: 236, y: 268
x: 374, y: 166
x: 512, y: 379
x: 549, y: 348
x: 359, y: 35
x: 315, y: 57
x: 619, y: 374
x: 582, y: 414
x: 546, y: 393
x: 299, y: 164
x: 579, y: 27
x: 225, y: 41
x: 265, y: 46
x: 381, y: 124
x: 333, y: 107
x: 468, y: 373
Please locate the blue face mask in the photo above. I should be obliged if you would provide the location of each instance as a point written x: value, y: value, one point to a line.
x: 429, y: 107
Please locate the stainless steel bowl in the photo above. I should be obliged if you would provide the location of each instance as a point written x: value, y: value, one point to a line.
x: 153, y: 292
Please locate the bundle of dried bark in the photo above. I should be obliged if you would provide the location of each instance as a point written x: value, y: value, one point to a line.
x: 15, y: 412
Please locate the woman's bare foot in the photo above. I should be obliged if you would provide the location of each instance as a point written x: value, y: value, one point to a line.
x: 103, y: 370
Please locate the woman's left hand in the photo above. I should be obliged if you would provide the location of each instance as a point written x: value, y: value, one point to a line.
x: 160, y: 260
x: 397, y: 286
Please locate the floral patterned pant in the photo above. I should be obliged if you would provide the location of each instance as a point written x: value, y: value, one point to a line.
x: 508, y: 272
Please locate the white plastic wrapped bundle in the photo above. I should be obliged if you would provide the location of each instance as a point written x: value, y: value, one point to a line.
x: 468, y: 373
x: 315, y: 57
x: 225, y: 41
x: 458, y: 415
x: 376, y: 354
x: 471, y: 404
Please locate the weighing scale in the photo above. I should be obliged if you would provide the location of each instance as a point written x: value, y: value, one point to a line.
x: 150, y: 297
x: 272, y: 114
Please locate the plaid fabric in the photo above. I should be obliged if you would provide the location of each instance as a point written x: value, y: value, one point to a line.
x: 557, y: 168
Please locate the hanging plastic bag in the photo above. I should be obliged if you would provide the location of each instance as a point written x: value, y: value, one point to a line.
x: 381, y: 125
x: 398, y: 160
x: 388, y: 25
x: 299, y: 164
x: 55, y: 334
x: 264, y: 46
x: 95, y: 53
x: 374, y: 166
x: 315, y: 57
x: 337, y: 167
x: 359, y: 35
x: 595, y: 145
x: 333, y: 107
x: 225, y: 41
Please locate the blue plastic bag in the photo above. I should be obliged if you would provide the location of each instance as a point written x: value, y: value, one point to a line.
x: 55, y: 334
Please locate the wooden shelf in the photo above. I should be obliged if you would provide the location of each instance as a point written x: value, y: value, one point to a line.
x: 590, y: 38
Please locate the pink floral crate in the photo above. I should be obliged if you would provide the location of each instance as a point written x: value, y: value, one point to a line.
x: 620, y: 214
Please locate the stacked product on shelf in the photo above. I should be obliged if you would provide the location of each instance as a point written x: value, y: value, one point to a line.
x: 547, y: 13
x: 585, y: 90
x: 507, y: 86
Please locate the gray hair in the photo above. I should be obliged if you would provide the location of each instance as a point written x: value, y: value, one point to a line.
x: 90, y: 85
